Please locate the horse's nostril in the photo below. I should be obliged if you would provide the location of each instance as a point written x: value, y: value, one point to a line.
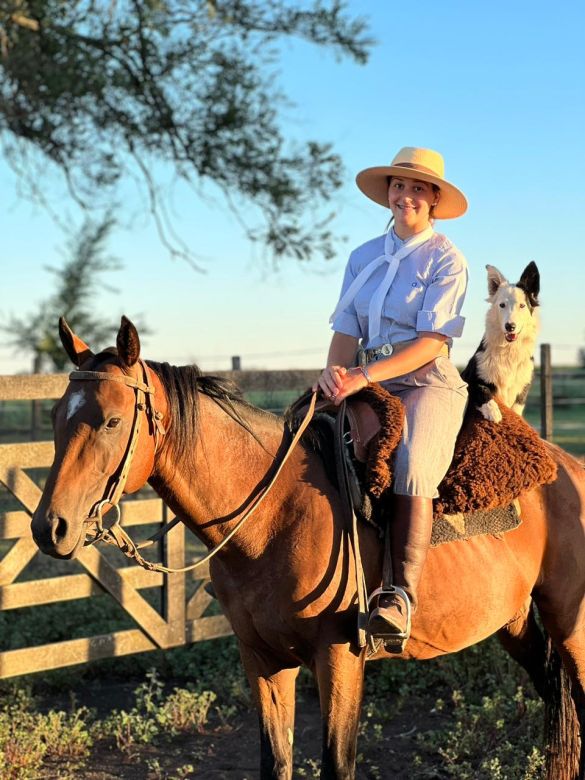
x: 58, y: 528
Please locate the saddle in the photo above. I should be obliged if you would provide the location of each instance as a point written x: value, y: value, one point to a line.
x: 493, y: 463
x: 371, y: 430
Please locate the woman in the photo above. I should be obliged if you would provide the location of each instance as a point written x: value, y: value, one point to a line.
x: 401, y: 298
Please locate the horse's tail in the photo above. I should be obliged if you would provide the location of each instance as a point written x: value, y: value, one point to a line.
x: 562, y: 730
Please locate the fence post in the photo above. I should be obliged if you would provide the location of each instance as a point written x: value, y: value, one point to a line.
x: 236, y: 363
x: 35, y: 420
x: 546, y: 393
x: 35, y: 405
x: 174, y: 585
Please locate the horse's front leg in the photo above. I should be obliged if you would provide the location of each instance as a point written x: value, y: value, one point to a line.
x: 273, y: 690
x: 339, y: 669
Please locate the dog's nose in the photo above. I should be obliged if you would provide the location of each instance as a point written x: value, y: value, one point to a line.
x: 510, y: 327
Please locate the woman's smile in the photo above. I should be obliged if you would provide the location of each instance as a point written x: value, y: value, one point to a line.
x: 410, y: 201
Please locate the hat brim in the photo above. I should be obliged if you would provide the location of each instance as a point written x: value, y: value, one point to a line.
x: 373, y: 182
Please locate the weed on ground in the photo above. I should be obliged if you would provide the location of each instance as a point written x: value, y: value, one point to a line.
x: 472, y: 716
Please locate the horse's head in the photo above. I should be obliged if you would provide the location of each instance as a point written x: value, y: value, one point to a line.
x: 105, y: 429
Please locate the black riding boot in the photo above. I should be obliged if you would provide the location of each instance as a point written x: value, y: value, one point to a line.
x: 410, y: 530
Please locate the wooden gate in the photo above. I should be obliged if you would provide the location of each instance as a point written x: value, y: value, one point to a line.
x: 180, y: 620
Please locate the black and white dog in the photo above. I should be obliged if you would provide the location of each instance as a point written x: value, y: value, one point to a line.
x: 503, y: 364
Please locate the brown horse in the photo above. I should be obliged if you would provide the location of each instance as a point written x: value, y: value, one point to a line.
x: 287, y: 580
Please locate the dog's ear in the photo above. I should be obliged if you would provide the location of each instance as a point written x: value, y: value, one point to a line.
x: 495, y: 279
x: 530, y: 283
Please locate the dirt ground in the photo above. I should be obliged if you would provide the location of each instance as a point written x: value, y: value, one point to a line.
x: 231, y: 751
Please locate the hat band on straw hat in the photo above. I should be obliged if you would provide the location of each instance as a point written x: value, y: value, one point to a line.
x: 415, y: 167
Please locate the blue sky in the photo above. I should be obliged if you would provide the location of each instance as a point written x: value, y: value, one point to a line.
x: 498, y: 88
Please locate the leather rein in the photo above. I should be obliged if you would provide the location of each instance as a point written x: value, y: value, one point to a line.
x: 115, y: 534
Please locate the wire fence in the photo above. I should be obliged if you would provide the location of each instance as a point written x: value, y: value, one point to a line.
x: 555, y: 405
x: 564, y: 354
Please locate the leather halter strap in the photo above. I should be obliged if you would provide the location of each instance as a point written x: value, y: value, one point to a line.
x: 144, y: 402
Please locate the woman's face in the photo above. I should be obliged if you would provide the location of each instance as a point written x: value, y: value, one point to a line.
x: 410, y: 201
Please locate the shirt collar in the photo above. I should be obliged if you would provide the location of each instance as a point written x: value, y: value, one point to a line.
x: 396, y: 241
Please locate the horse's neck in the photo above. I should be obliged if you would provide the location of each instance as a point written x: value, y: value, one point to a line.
x: 211, y: 487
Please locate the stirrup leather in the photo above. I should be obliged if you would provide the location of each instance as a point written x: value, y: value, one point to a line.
x: 394, y: 642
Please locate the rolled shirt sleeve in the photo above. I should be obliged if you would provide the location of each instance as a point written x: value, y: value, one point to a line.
x: 347, y: 321
x: 444, y: 296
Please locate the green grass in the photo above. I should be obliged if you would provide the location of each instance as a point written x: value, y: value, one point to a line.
x: 471, y: 716
x: 16, y: 421
x: 568, y: 409
x: 273, y: 400
x: 34, y: 743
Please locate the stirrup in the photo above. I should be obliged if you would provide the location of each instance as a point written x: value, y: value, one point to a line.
x: 394, y: 642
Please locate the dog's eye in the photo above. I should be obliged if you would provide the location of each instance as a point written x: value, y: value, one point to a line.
x: 502, y: 305
x: 522, y: 305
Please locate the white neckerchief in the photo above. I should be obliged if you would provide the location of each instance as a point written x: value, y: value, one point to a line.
x: 377, y: 300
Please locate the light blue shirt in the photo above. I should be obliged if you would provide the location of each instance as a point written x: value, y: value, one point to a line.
x: 426, y: 294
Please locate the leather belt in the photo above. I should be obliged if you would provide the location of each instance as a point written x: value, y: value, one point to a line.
x: 385, y: 350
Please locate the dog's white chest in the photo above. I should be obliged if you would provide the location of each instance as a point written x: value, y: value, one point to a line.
x: 507, y: 369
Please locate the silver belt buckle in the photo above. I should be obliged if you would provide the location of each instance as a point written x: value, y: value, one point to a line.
x: 378, y: 352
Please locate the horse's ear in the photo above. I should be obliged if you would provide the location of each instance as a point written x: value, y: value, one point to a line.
x: 495, y: 278
x: 128, y: 343
x: 77, y: 349
x: 530, y: 283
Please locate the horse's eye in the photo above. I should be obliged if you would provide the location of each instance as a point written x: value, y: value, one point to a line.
x: 113, y: 423
x: 502, y: 305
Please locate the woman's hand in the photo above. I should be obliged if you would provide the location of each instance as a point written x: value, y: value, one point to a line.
x: 331, y: 381
x: 337, y: 383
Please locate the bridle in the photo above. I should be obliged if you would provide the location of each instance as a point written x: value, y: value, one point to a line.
x: 144, y: 402
x: 144, y: 394
x: 115, y: 534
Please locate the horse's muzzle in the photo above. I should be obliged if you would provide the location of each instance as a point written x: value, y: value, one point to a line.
x: 55, y: 536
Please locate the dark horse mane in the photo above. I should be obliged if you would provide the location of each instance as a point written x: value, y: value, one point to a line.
x: 182, y: 385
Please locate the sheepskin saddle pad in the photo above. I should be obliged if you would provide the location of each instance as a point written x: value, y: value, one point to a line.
x: 492, y: 465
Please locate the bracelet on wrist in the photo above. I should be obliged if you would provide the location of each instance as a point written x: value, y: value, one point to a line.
x: 365, y: 374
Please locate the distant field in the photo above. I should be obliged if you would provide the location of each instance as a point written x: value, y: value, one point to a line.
x: 568, y: 408
x: 16, y: 421
x: 568, y: 418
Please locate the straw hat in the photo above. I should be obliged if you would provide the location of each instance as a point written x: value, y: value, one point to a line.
x: 413, y: 163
